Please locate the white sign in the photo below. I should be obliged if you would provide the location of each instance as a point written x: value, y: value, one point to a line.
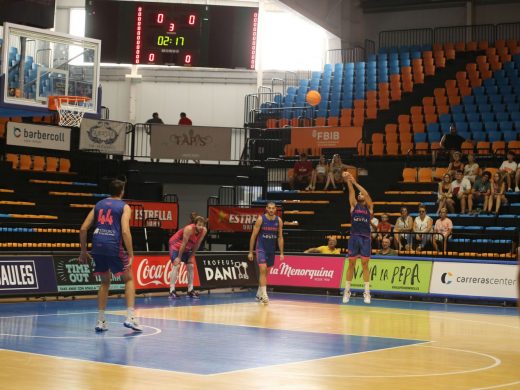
x: 38, y: 136
x: 474, y: 279
x: 102, y: 135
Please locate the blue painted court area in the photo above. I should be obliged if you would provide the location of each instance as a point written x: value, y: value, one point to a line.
x: 65, y: 329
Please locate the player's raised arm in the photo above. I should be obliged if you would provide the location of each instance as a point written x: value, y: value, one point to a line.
x: 280, y: 238
x: 351, y: 192
x: 87, y: 223
x: 126, y: 234
x: 254, y: 234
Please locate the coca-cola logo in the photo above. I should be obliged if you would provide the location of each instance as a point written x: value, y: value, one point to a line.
x: 152, y: 273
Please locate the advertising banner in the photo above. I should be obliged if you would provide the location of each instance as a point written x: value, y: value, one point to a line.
x: 303, y: 138
x: 475, y: 279
x: 154, y: 271
x: 307, y: 271
x: 233, y: 219
x: 102, y: 135
x: 219, y: 270
x: 393, y: 274
x: 71, y: 276
x: 38, y: 136
x: 166, y: 212
x: 190, y: 142
x: 27, y: 275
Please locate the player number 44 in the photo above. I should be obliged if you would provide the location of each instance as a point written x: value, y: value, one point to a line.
x: 105, y: 218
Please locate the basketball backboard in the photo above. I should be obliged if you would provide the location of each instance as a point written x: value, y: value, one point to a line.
x: 40, y: 63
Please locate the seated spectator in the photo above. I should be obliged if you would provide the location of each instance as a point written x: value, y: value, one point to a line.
x: 471, y: 169
x: 461, y: 188
x: 443, y: 228
x: 455, y: 165
x: 384, y: 230
x: 329, y: 249
x: 497, y: 197
x: 402, y: 230
x: 508, y: 169
x: 386, y: 249
x: 336, y: 170
x: 301, y: 173
x: 422, y: 227
x: 319, y: 175
x: 444, y: 195
x: 517, y: 179
x: 481, y: 191
x: 373, y: 227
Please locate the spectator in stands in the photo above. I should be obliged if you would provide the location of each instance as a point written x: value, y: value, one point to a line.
x: 422, y: 227
x: 444, y: 195
x: 461, y: 189
x: 455, y: 165
x: 498, y: 188
x: 373, y: 227
x: 336, y: 170
x: 402, y: 230
x: 508, y: 169
x: 319, y: 174
x: 451, y: 142
x: 443, y: 229
x: 517, y: 179
x: 302, y: 173
x: 184, y: 120
x: 471, y: 169
x: 384, y: 230
x: 154, y: 119
x: 386, y: 249
x: 481, y: 191
x: 329, y: 249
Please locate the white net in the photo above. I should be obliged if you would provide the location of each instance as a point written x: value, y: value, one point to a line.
x: 71, y: 110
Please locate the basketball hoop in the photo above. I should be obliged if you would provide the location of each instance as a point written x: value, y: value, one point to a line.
x: 70, y: 109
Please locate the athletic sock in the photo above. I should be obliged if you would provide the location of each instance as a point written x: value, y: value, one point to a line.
x: 259, y: 292
x: 347, y: 286
x: 190, y: 277
x: 130, y: 313
x: 263, y: 290
x: 367, y: 287
x: 173, y: 277
x: 101, y: 315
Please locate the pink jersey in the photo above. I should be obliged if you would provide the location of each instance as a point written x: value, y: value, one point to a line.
x: 175, y: 241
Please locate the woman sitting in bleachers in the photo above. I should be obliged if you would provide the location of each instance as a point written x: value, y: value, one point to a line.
x: 422, y: 227
x: 403, y: 230
x: 455, y: 165
x: 508, y: 169
x: 444, y: 195
x: 498, y: 189
x: 336, y: 170
x: 443, y: 228
x: 471, y: 169
x: 319, y: 175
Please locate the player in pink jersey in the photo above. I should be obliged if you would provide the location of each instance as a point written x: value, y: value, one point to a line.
x: 183, y: 246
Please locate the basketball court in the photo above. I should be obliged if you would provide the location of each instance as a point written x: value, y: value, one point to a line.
x: 230, y: 341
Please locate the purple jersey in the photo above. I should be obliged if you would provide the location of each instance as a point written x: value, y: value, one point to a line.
x: 268, y: 235
x: 107, y: 237
x: 360, y: 220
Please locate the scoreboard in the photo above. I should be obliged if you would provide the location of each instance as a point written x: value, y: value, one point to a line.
x: 174, y: 34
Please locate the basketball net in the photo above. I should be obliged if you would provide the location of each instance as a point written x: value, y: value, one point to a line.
x: 71, y: 110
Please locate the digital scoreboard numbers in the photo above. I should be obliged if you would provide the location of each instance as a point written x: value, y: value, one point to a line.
x: 167, y: 36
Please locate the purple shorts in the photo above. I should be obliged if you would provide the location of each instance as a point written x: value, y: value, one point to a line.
x: 264, y: 257
x: 116, y: 264
x: 359, y: 246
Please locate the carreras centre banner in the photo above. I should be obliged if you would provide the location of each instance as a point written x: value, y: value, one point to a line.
x: 103, y: 135
x: 190, y: 142
x: 38, y: 136
x: 233, y: 218
x: 394, y: 274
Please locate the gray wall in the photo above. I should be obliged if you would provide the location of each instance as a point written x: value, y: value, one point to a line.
x: 192, y: 197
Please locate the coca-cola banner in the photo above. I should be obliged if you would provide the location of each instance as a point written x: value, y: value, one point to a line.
x: 233, y: 219
x: 307, y: 271
x: 220, y: 270
x: 154, y: 272
x: 71, y: 276
x: 166, y: 212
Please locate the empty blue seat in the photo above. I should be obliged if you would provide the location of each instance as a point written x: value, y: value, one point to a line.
x: 483, y: 108
x: 468, y: 99
x: 433, y: 127
x: 473, y: 116
x: 433, y: 136
x: 470, y: 108
x: 488, y: 117
x: 419, y: 137
x: 513, y: 107
x: 464, y: 134
x: 462, y: 126
x: 459, y: 117
x: 445, y: 127
x: 489, y: 82
x: 445, y: 118
x: 502, y: 116
x: 490, y: 126
x: 494, y: 136
x: 509, y: 98
x: 475, y: 126
x: 478, y: 136
x: 498, y: 107
x: 479, y: 91
x: 509, y: 135
x: 481, y: 99
x: 515, y: 116
x: 458, y: 109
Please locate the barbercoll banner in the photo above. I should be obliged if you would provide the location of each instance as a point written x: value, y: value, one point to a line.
x: 154, y: 272
x: 233, y: 218
x: 27, y: 275
x: 220, y: 270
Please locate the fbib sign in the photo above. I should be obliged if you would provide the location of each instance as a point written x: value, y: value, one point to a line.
x: 26, y: 275
x: 226, y: 270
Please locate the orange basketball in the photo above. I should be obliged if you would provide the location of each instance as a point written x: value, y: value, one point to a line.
x: 313, y: 98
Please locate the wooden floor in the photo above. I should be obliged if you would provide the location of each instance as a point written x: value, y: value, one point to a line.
x: 227, y: 341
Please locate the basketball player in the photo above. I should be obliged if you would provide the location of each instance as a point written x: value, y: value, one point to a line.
x: 269, y: 226
x: 359, y: 244
x: 111, y: 217
x: 183, y: 246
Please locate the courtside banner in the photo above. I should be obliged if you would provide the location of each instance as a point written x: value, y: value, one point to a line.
x: 102, y: 135
x: 393, y: 275
x: 71, y: 276
x: 307, y: 271
x: 220, y: 270
x: 154, y: 272
x: 38, y: 136
x: 234, y: 219
x: 190, y: 142
x: 475, y: 279
x: 303, y: 138
x: 27, y: 275
x: 166, y: 212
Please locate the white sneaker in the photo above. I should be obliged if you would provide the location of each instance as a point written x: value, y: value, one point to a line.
x: 517, y: 189
x: 366, y: 297
x: 264, y: 299
x: 133, y: 324
x: 346, y: 296
x: 101, y: 326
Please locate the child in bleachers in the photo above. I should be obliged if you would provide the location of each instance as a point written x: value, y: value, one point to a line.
x: 498, y: 188
x: 443, y: 228
x: 508, y: 169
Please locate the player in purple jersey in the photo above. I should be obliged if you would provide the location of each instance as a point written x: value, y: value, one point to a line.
x: 266, y: 233
x: 111, y: 220
x: 359, y: 244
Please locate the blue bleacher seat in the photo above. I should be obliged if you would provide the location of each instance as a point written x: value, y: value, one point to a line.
x: 479, y: 91
x: 494, y: 136
x: 515, y: 116
x: 475, y: 126
x: 478, y: 136
x: 459, y: 117
x: 481, y: 99
x: 419, y: 137
x: 462, y: 126
x: 468, y: 108
x: 464, y: 134
x: 445, y: 127
x: 458, y: 109
x: 468, y: 99
x: 473, y: 116
x: 499, y: 107
x: 490, y: 126
x: 445, y: 118
x: 510, y: 135
x: 513, y: 107
x: 484, y: 108
x: 502, y: 116
x: 510, y: 98
x: 433, y: 127
x: 434, y: 136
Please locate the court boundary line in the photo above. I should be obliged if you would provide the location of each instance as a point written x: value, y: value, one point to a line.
x: 497, y: 386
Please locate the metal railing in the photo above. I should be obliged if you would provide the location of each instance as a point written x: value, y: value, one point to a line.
x: 409, y: 37
x: 479, y: 32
